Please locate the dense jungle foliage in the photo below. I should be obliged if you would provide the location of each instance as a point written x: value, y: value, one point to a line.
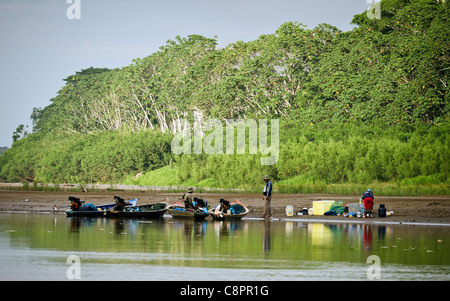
x: 3, y: 149
x: 364, y: 106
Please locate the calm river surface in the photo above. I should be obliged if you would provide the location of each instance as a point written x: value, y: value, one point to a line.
x: 55, y: 247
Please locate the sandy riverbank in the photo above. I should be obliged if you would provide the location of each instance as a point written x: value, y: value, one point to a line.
x: 422, y: 209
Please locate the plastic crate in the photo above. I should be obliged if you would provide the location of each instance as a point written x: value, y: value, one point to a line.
x: 355, y: 207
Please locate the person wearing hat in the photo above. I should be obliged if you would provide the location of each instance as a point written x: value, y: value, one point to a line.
x: 267, y: 197
x: 188, y: 198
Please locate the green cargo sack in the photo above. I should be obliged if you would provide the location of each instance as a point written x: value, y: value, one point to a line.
x: 338, y: 207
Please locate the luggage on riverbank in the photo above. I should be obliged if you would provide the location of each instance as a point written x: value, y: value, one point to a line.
x: 320, y: 207
x: 337, y: 208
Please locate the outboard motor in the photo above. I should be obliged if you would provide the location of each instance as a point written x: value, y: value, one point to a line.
x: 76, y: 203
x: 120, y: 203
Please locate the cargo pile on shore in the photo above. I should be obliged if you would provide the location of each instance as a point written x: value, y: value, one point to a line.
x: 435, y: 209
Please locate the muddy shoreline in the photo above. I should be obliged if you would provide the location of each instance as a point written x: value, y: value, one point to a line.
x: 421, y: 209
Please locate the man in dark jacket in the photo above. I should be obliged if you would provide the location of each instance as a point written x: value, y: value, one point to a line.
x: 267, y: 197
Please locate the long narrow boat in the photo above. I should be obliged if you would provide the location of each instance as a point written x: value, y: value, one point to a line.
x: 177, y: 210
x: 96, y: 211
x: 153, y: 211
x: 236, y: 212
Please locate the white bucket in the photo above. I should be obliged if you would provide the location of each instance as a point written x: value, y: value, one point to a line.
x: 290, y: 210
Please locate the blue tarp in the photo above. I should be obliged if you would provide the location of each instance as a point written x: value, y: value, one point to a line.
x: 88, y: 207
x: 236, y: 209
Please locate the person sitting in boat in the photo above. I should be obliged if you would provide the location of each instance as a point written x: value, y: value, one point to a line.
x: 120, y: 203
x: 188, y: 199
x: 200, y: 205
x: 76, y: 203
x: 222, y: 208
x: 224, y: 205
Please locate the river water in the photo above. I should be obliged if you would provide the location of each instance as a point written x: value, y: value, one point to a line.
x: 56, y: 247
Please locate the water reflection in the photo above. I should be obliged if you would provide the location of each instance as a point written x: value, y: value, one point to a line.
x: 228, y: 228
x: 331, y: 235
x: 226, y: 244
x: 367, y: 237
x: 266, y: 236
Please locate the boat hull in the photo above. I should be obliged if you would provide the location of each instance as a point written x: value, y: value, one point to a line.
x: 217, y: 216
x: 150, y: 211
x: 227, y: 217
x: 102, y: 210
x: 196, y: 215
x: 150, y: 214
x: 71, y: 213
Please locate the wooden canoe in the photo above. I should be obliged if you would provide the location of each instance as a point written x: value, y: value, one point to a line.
x: 102, y: 210
x: 177, y: 210
x: 155, y: 210
x: 217, y: 215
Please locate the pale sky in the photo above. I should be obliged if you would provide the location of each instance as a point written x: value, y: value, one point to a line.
x: 40, y: 45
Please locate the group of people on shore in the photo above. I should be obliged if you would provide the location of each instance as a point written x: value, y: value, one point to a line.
x: 190, y: 201
x: 367, y: 198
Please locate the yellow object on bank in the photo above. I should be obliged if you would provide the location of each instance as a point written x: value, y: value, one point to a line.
x: 320, y: 207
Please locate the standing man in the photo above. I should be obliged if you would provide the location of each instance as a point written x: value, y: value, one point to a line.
x: 267, y: 197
